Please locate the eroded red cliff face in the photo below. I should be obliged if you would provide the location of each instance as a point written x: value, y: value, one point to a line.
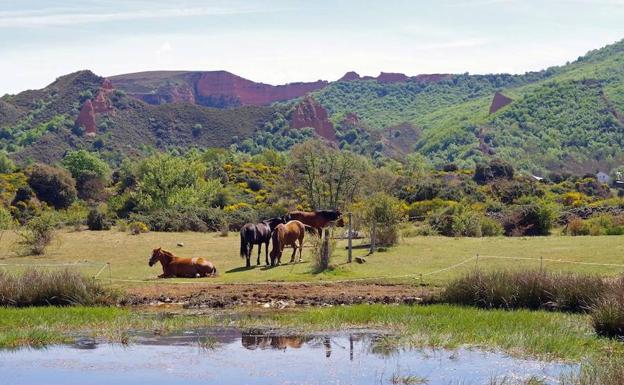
x: 86, y: 118
x: 100, y: 104
x: 499, y: 101
x: 227, y: 86
x: 309, y: 113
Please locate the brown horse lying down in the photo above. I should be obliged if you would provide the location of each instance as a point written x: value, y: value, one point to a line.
x: 317, y: 219
x: 289, y: 234
x: 181, y: 267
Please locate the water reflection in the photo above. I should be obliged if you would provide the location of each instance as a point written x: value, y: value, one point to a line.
x: 230, y: 356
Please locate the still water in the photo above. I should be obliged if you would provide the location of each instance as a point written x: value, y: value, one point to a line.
x: 230, y: 356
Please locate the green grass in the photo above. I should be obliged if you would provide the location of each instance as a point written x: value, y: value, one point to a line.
x: 524, y: 333
x: 40, y: 326
x: 532, y: 333
x: 128, y: 255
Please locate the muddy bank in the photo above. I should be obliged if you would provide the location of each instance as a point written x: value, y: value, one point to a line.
x: 279, y: 294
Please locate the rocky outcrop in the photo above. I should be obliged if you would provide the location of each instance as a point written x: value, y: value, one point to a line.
x: 100, y: 104
x: 86, y: 118
x: 391, y: 77
x: 499, y: 101
x: 220, y: 89
x: 309, y: 113
x: 349, y: 76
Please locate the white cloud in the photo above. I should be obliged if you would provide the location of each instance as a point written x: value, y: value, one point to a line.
x: 57, y: 17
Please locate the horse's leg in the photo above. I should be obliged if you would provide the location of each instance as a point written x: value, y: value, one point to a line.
x: 248, y: 256
x: 300, y: 247
x: 259, y: 250
x: 320, y: 232
x: 292, y: 257
x: 266, y: 253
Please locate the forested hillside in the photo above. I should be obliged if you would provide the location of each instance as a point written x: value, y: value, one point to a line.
x: 566, y: 118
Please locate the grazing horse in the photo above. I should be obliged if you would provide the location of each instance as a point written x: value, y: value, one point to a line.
x: 289, y: 234
x: 181, y: 267
x: 256, y: 234
x: 317, y: 219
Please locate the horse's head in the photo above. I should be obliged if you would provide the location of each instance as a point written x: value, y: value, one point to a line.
x: 340, y: 222
x: 155, y: 256
x: 273, y: 222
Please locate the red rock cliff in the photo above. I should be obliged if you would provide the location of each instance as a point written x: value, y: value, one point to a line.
x: 309, y: 113
x: 86, y: 118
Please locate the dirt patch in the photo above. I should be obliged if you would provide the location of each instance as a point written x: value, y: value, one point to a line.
x: 279, y: 294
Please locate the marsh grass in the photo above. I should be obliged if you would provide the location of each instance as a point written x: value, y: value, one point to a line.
x: 608, y: 312
x: 531, y: 289
x: 59, y: 288
x: 598, y: 371
x: 550, y: 335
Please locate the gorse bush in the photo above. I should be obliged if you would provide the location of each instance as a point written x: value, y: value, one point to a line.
x: 57, y: 288
x: 183, y: 219
x: 599, y: 225
x: 463, y: 221
x: 386, y: 212
x: 530, y: 219
x: 52, y: 185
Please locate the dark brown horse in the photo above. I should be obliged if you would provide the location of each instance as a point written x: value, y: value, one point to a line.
x: 256, y: 234
x: 317, y: 219
x: 289, y: 234
x: 181, y: 267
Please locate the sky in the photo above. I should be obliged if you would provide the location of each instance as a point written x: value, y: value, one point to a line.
x: 283, y: 41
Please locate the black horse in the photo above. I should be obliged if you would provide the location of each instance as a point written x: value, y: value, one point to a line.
x: 257, y: 234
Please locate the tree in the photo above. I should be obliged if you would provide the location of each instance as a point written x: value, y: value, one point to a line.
x: 52, y: 185
x: 91, y: 173
x: 329, y: 177
x: 6, y: 164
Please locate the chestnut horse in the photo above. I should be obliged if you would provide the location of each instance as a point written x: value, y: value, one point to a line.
x: 317, y: 219
x: 290, y: 234
x: 181, y: 267
x: 256, y: 234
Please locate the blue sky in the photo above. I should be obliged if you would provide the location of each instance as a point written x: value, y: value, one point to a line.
x: 283, y: 41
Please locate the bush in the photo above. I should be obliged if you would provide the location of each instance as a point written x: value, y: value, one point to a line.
x: 527, y: 289
x: 97, y: 220
x: 38, y: 233
x: 496, y: 169
x: 52, y: 288
x: 490, y: 227
x: 387, y: 212
x: 598, y: 225
x: 458, y: 221
x: 530, y: 220
x: 182, y: 219
x: 237, y: 218
x: 6, y: 220
x: 137, y: 228
x: 52, y: 185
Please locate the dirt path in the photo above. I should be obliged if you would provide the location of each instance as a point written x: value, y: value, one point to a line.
x: 278, y: 294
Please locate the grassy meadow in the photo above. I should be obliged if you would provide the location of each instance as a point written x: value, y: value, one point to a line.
x: 128, y: 256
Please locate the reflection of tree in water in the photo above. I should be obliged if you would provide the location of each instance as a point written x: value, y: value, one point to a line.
x: 255, y: 340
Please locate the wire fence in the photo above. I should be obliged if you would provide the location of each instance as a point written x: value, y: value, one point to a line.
x: 103, y: 271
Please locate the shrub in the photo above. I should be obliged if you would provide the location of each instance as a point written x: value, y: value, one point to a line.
x: 97, y: 220
x: 457, y: 221
x: 56, y: 288
x: 576, y: 226
x: 237, y: 218
x: 137, y: 228
x: 531, y: 219
x: 6, y: 220
x: 6, y: 164
x: 496, y: 169
x: 182, y: 219
x: 490, y: 227
x: 38, y: 233
x: 52, y: 185
x: 387, y: 212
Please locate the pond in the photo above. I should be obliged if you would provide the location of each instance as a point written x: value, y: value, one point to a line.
x: 231, y: 356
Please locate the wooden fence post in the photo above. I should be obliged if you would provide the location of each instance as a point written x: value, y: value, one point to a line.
x: 325, y: 251
x: 373, y: 237
x: 350, y: 245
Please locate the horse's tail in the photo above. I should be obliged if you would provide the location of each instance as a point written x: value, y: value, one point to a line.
x: 243, y: 244
x: 311, y: 230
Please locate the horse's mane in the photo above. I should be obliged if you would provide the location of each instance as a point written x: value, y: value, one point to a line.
x: 330, y: 215
x: 168, y: 254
